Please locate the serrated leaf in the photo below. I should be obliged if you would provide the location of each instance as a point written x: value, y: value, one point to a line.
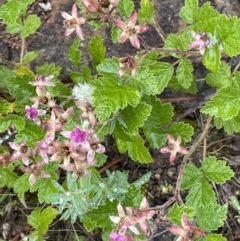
x: 115, y: 33
x: 215, y: 237
x: 136, y: 149
x: 146, y: 12
x: 125, y: 8
x: 15, y: 27
x: 97, y: 50
x: 142, y: 180
x: 9, y: 11
x: 30, y: 56
x: 224, y: 104
x: 181, y: 129
x: 8, y: 176
x: 190, y: 175
x: 31, y: 134
x: 23, y: 70
x: 5, y: 72
x: 180, y: 41
x: 133, y: 197
x: 100, y: 159
x: 120, y: 133
x: 189, y: 11
x: 100, y: 217
x: 211, y: 58
x: 200, y: 194
x: 216, y: 213
x: 160, y: 115
x: 17, y: 121
x: 5, y: 108
x: 109, y: 67
x: 145, y: 82
x: 22, y: 185
x: 4, y: 124
x: 48, y: 69
x: 74, y: 54
x: 134, y: 117
x: 40, y: 220
x: 176, y: 212
x: 216, y: 170
x: 230, y: 126
x: 30, y: 26
x: 109, y: 97
x: 231, y: 40
x: 222, y: 78
x: 184, y: 73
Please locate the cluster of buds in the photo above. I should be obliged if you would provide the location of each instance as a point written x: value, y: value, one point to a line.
x: 76, y: 148
x: 202, y: 41
x: 134, y: 216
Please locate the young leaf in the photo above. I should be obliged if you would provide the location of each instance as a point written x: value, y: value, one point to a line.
x: 216, y: 213
x: 97, y: 50
x: 109, y: 96
x: 200, y: 194
x: 15, y: 27
x: 211, y: 58
x: 184, y: 73
x: 30, y: 56
x: 31, y: 25
x: 216, y: 170
x: 109, y: 67
x: 100, y: 217
x: 176, y: 212
x: 40, y: 220
x: 222, y: 78
x: 224, y: 104
x: 9, y: 11
x: 190, y: 175
x: 215, y: 237
x: 136, y: 149
x: 74, y: 54
x: 22, y: 185
x: 134, y: 117
x: 125, y: 8
x: 189, y: 11
x: 146, y: 12
x: 181, y: 129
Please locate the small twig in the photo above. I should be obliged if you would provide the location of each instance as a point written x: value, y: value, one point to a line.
x: 236, y: 68
x: 179, y: 99
x: 176, y: 51
x: 22, y: 52
x: 112, y: 163
x: 186, y: 157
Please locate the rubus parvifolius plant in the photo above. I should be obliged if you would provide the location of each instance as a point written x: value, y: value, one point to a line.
x: 58, y: 131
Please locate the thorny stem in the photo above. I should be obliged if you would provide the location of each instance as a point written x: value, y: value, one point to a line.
x: 156, y: 24
x: 186, y: 157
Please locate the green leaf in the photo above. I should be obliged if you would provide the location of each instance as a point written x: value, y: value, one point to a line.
x: 216, y: 213
x: 40, y: 220
x: 133, y: 197
x: 30, y: 56
x: 22, y: 185
x: 184, y: 73
x: 146, y: 12
x: 200, y: 194
x: 31, y: 134
x: 136, y: 149
x: 215, y: 237
x: 125, y: 8
x: 190, y: 175
x: 224, y: 104
x: 9, y: 11
x: 211, y: 58
x: 216, y: 170
x: 180, y: 41
x: 5, y: 72
x: 119, y: 132
x: 176, y: 212
x: 48, y: 69
x: 15, y: 27
x: 74, y: 54
x: 17, y: 121
x: 142, y: 180
x: 109, y: 67
x: 134, y: 117
x: 181, y: 129
x: 8, y: 177
x: 97, y: 50
x: 31, y: 25
x: 109, y: 97
x: 115, y: 33
x: 189, y: 11
x: 100, y: 217
x: 100, y: 159
x: 160, y: 116
x: 230, y: 126
x: 4, y: 124
x: 222, y: 78
x: 231, y: 39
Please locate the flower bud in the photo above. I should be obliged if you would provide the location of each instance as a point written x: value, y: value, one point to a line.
x: 91, y: 6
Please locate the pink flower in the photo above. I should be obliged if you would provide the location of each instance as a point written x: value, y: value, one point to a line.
x: 33, y: 113
x: 91, y: 6
x: 62, y: 116
x: 114, y: 236
x: 72, y: 22
x: 130, y: 31
x: 174, y: 147
x: 187, y: 231
x: 201, y: 42
x: 44, y: 98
